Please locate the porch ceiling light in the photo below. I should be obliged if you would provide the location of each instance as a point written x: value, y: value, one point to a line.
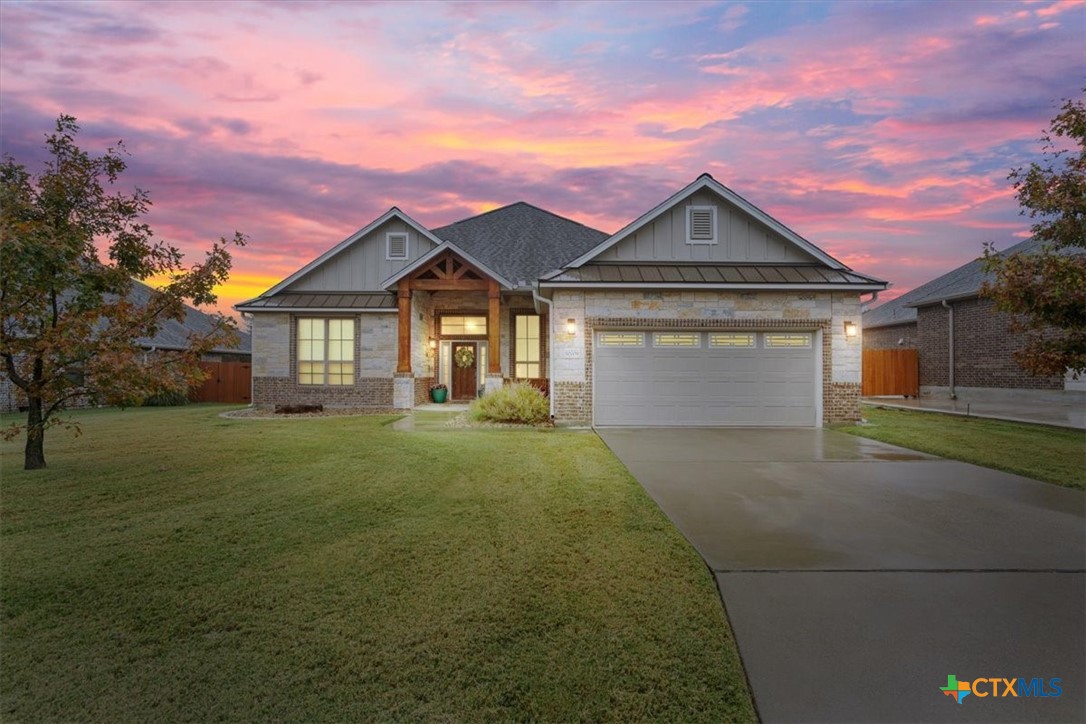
x: 851, y: 330
x: 571, y: 326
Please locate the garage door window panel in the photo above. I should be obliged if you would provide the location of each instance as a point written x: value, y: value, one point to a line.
x: 676, y: 339
x: 787, y: 341
x: 731, y: 341
x: 620, y: 339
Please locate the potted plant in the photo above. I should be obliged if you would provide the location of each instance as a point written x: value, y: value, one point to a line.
x: 438, y: 393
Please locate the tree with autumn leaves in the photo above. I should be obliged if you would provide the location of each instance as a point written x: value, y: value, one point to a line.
x: 69, y: 252
x: 1047, y: 290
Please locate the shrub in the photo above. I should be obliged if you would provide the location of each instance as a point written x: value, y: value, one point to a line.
x: 518, y: 403
x: 166, y: 399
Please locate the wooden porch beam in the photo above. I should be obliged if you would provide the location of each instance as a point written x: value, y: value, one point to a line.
x: 450, y: 285
x: 494, y: 325
x: 403, y: 359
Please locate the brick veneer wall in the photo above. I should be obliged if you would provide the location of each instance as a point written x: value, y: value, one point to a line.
x: 366, y: 392
x: 887, y: 337
x: 983, y: 348
x: 422, y: 389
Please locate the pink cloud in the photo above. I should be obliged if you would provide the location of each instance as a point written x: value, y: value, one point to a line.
x: 882, y: 132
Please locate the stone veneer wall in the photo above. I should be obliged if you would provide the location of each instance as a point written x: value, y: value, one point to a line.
x: 828, y: 311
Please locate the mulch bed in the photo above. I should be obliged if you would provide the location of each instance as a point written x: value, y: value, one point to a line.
x: 267, y: 413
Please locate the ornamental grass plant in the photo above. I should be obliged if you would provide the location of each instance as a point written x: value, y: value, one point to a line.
x: 518, y: 403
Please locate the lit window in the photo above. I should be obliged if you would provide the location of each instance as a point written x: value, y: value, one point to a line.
x: 675, y: 339
x: 731, y: 340
x: 621, y: 339
x: 787, y: 340
x: 463, y: 326
x: 326, y: 351
x: 526, y: 353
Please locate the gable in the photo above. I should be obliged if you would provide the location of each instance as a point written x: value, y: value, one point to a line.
x: 364, y: 264
x: 736, y: 236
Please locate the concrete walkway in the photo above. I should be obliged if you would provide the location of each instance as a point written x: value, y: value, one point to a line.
x: 1061, y: 414
x: 858, y: 576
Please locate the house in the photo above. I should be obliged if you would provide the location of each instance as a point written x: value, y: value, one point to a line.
x: 703, y: 311
x: 965, y: 347
x: 172, y: 335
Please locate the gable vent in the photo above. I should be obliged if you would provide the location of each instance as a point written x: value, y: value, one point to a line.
x: 701, y: 224
x: 397, y: 246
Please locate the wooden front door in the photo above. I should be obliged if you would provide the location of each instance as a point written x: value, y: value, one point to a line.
x: 465, y: 380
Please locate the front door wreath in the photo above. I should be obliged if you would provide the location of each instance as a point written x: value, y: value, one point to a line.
x: 465, y: 357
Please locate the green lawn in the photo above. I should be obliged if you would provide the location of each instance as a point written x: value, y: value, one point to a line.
x: 1054, y: 454
x: 171, y: 564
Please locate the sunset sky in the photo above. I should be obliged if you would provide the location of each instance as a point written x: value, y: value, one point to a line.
x: 882, y: 132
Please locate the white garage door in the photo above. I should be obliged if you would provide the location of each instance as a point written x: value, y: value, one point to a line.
x: 672, y: 378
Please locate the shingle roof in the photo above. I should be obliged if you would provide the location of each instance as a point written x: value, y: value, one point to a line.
x: 700, y: 273
x: 173, y: 334
x: 960, y: 283
x: 521, y: 241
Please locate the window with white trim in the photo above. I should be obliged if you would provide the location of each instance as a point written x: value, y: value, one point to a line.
x: 690, y: 340
x: 326, y: 351
x: 732, y: 340
x: 787, y: 340
x: 620, y: 339
x: 396, y: 245
x: 526, y: 347
x: 700, y: 224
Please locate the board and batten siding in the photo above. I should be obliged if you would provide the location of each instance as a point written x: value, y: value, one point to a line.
x: 363, y: 266
x: 740, y: 238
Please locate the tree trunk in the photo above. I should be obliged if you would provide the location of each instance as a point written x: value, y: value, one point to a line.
x: 35, y: 436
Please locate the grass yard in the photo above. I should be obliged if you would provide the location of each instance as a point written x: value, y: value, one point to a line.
x: 171, y: 564
x: 1053, y: 454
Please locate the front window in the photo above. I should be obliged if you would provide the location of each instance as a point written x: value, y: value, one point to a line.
x: 326, y: 351
x: 527, y: 354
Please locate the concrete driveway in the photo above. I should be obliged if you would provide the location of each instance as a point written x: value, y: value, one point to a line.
x: 858, y: 576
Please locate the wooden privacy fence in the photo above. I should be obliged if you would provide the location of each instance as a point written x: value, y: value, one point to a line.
x: 225, y: 382
x: 891, y: 372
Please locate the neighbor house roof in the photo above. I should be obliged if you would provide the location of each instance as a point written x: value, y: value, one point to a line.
x: 173, y: 334
x: 962, y: 283
x: 521, y: 241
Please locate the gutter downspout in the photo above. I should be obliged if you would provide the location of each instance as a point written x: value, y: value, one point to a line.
x: 950, y: 343
x: 550, y: 344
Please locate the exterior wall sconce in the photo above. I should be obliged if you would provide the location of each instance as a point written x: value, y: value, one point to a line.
x: 851, y: 330
x: 433, y: 343
x: 571, y: 326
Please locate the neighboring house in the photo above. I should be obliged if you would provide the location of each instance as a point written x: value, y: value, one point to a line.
x: 172, y: 335
x: 949, y: 309
x: 703, y: 311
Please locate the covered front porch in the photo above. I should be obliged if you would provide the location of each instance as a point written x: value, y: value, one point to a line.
x: 465, y: 327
